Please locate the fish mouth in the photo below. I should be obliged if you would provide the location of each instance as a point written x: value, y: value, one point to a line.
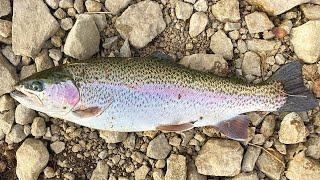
x: 22, y: 95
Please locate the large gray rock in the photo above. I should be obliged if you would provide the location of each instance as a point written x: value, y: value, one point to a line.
x: 6, y: 103
x: 16, y: 134
x: 32, y: 158
x: 276, y: 7
x: 176, y: 167
x: 250, y: 158
x: 101, y: 171
x: 24, y: 115
x: 141, y: 23
x: 30, y: 29
x: 219, y: 157
x: 221, y: 44
x: 206, y: 62
x: 159, y: 147
x: 307, y: 47
x: 226, y: 10
x: 83, y: 39
x: 8, y: 76
x: 272, y: 165
x: 303, y: 168
x: 263, y: 46
x: 116, y: 6
x: 258, y: 22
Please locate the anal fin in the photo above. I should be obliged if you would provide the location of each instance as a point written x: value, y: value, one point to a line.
x: 235, y: 128
x: 175, y: 127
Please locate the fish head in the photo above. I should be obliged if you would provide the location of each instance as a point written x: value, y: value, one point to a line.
x: 51, y: 91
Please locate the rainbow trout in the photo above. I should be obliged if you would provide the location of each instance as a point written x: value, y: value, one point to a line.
x: 140, y: 94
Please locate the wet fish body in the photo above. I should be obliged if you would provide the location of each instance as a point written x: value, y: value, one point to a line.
x: 140, y: 94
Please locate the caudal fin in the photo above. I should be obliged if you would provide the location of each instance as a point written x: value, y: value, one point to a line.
x: 300, y: 98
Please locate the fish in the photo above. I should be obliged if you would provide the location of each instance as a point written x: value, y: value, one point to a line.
x: 152, y: 93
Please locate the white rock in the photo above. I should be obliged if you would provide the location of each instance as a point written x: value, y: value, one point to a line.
x: 310, y: 11
x: 159, y: 147
x: 8, y: 76
x: 24, y: 115
x: 251, y: 64
x: 176, y: 167
x: 141, y: 23
x: 78, y: 5
x: 221, y: 44
x: 157, y: 174
x: 307, y: 47
x: 263, y: 46
x: 113, y: 136
x: 183, y: 10
x: 83, y: 39
x: 58, y: 146
x: 48, y: 172
x: 201, y: 5
x: 226, y: 10
x: 101, y: 171
x: 292, y: 129
x: 141, y: 173
x: 32, y: 157
x: 258, y: 22
x: 16, y: 134
x: 220, y: 157
x: 272, y: 166
x: 276, y: 7
x: 6, y: 103
x: 30, y: 29
x: 38, y: 127
x: 125, y: 49
x: 5, y: 7
x: 116, y: 6
x: 303, y: 168
x: 198, y: 23
x: 6, y: 121
x: 206, y: 62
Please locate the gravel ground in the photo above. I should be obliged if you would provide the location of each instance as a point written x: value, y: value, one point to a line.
x: 247, y: 38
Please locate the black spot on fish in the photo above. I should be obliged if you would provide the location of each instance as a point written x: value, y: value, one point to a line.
x: 179, y: 96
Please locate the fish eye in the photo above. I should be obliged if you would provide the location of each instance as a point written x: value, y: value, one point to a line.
x: 36, y: 86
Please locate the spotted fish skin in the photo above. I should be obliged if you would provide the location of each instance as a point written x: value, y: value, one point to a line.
x: 138, y: 94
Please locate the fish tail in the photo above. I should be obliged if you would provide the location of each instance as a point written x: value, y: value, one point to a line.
x: 299, y: 97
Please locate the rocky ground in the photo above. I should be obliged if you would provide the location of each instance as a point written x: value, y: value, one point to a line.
x: 247, y: 38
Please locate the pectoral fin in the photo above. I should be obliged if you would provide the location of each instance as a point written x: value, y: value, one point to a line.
x: 88, y: 112
x: 235, y: 128
x: 175, y: 127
